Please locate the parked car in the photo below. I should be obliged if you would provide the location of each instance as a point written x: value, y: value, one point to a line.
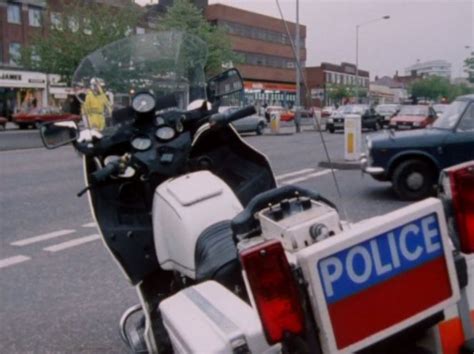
x: 327, y: 111
x: 412, y: 160
x: 41, y: 115
x: 387, y: 111
x: 3, y: 123
x: 287, y: 116
x: 252, y: 123
x: 413, y: 117
x: 440, y: 108
x: 370, y: 118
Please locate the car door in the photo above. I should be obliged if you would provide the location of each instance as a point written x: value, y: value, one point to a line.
x: 459, y: 146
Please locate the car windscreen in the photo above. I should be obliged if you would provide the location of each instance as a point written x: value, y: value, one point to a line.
x: 386, y: 108
x: 451, y: 115
x: 354, y: 109
x: 413, y: 111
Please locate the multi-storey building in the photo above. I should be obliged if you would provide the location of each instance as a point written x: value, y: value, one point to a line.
x: 434, y: 67
x: 326, y: 77
x: 268, y: 63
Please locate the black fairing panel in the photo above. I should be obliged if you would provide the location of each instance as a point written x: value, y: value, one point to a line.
x: 245, y: 170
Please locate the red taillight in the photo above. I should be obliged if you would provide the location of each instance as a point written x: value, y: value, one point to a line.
x: 274, y: 290
x: 461, y: 180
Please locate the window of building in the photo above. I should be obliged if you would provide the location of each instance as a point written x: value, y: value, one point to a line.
x: 56, y: 21
x: 140, y: 30
x: 35, y: 58
x: 87, y: 27
x: 14, y: 13
x: 34, y: 16
x: 14, y: 52
x: 1, y: 52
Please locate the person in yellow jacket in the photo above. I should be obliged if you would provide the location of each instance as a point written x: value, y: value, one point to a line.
x: 96, y: 106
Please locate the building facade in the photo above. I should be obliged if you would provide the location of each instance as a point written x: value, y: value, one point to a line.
x: 324, y: 79
x: 440, y: 68
x: 20, y: 22
x: 267, y: 60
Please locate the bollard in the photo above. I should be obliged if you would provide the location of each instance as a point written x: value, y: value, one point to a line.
x: 352, y: 137
x: 275, y: 123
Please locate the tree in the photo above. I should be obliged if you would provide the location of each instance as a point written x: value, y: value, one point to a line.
x: 83, y: 28
x: 184, y: 16
x: 338, y: 93
x: 436, y: 88
x: 469, y: 67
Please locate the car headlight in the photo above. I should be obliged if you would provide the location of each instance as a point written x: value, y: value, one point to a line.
x: 416, y: 124
x: 330, y: 120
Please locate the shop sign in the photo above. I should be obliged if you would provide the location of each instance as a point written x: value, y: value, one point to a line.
x: 36, y: 81
x: 12, y: 77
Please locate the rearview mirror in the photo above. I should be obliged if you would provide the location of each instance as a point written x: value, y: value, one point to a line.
x: 224, y: 84
x: 57, y: 134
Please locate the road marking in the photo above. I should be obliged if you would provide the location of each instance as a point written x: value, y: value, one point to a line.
x: 296, y: 173
x: 312, y: 175
x: 7, y: 262
x: 72, y: 243
x: 28, y: 241
x: 91, y: 224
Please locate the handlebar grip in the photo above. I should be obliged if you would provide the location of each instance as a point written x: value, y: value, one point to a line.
x: 108, y: 170
x: 167, y: 101
x: 223, y: 118
x: 245, y: 221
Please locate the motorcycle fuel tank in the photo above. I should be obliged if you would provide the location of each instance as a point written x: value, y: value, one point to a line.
x: 183, y: 208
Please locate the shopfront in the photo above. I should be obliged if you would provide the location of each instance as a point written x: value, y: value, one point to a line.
x: 270, y: 94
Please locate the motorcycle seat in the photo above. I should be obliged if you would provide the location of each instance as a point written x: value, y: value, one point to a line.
x: 216, y: 254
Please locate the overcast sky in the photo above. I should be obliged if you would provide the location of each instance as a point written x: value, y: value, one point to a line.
x: 417, y: 29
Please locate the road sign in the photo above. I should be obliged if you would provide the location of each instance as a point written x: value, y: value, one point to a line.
x: 381, y: 276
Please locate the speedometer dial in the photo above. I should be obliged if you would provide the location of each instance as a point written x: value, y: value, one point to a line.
x: 141, y: 143
x: 165, y: 133
x: 143, y: 102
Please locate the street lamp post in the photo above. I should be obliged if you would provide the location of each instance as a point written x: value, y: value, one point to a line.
x: 298, y: 78
x: 357, y: 48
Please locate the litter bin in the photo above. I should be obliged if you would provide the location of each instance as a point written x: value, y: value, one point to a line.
x: 352, y: 137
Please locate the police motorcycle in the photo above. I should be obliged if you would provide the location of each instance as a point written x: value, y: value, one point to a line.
x: 167, y: 174
x: 221, y: 267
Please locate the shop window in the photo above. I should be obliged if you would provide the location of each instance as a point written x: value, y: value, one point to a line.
x: 56, y: 21
x: 14, y: 13
x: 14, y: 52
x: 34, y: 16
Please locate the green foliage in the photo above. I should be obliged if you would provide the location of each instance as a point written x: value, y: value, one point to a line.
x: 469, y: 67
x: 435, y: 88
x: 82, y: 29
x: 184, y: 16
x: 339, y: 92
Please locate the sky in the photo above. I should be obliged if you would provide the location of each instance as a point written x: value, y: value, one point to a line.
x: 417, y: 30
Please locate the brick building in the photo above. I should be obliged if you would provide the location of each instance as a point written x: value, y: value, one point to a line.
x: 324, y: 78
x: 20, y: 22
x: 268, y: 66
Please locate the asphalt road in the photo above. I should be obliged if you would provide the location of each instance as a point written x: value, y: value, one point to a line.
x: 60, y: 291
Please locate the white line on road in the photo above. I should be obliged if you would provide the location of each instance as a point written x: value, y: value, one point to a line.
x: 72, y: 243
x: 304, y: 178
x: 91, y: 224
x: 28, y: 241
x: 13, y: 260
x: 292, y: 174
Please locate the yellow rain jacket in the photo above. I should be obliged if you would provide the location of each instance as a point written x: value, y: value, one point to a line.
x: 95, y: 107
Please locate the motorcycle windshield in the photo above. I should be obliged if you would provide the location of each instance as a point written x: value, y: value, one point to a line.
x: 162, y: 63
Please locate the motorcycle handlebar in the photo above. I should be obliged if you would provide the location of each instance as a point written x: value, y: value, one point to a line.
x: 110, y: 169
x: 223, y: 118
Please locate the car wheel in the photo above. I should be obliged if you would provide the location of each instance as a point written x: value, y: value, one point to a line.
x: 413, y: 180
x: 22, y: 126
x: 377, y: 126
x: 37, y: 125
x: 260, y: 128
x: 331, y: 130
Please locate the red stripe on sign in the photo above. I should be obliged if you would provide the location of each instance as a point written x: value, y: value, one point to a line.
x: 383, y: 305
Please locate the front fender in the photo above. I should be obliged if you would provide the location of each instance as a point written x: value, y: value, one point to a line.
x: 407, y: 154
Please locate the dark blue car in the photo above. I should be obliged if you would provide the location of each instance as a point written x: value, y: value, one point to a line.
x: 412, y: 160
